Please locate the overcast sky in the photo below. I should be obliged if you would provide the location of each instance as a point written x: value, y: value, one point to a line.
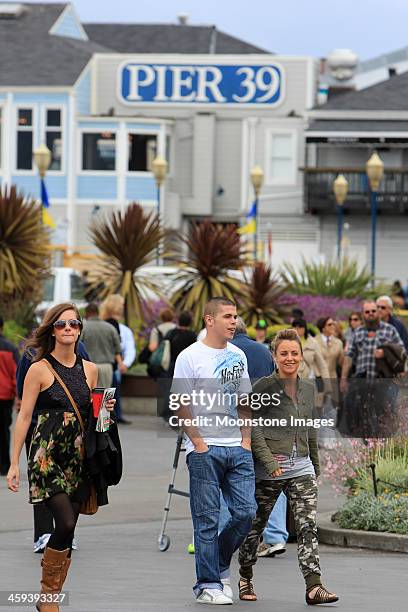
x: 289, y: 27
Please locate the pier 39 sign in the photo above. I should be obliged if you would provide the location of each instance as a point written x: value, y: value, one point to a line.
x: 201, y: 84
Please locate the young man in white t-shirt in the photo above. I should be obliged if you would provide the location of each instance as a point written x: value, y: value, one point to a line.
x: 213, y: 374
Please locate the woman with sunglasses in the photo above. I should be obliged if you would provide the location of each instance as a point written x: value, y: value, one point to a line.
x: 56, y: 470
x: 355, y: 320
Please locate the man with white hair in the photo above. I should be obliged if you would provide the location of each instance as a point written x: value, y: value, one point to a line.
x: 385, y: 307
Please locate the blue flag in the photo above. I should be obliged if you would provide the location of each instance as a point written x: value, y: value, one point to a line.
x: 46, y: 217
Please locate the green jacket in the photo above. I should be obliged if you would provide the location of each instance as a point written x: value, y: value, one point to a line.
x: 268, y: 440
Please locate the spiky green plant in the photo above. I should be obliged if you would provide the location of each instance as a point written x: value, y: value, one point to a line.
x: 207, y: 259
x: 127, y: 241
x: 261, y: 300
x: 24, y: 250
x: 344, y: 279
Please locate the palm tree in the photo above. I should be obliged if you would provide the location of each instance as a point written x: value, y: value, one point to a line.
x: 262, y: 297
x: 127, y: 242
x: 24, y: 251
x: 208, y: 258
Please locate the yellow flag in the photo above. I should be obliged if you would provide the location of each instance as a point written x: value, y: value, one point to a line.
x: 249, y: 228
x: 47, y: 219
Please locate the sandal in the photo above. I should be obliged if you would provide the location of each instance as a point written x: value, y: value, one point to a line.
x: 321, y: 596
x: 246, y: 589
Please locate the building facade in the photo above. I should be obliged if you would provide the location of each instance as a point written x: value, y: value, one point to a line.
x: 107, y: 98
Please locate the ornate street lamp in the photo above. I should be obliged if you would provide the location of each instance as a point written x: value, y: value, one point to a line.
x: 374, y: 171
x: 340, y: 189
x: 257, y: 179
x: 159, y: 167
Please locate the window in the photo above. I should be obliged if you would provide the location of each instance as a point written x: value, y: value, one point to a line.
x: 142, y: 151
x: 48, y: 288
x: 281, y: 158
x: 77, y: 287
x: 53, y: 137
x: 24, y: 139
x: 99, y: 151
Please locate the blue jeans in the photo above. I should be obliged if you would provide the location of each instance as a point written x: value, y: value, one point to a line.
x: 230, y: 470
x: 275, y: 531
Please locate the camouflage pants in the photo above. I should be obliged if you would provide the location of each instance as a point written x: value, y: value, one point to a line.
x: 302, y: 496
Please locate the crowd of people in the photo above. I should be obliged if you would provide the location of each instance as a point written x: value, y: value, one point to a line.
x: 241, y: 476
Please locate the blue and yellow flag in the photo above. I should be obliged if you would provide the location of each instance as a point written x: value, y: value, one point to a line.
x: 250, y: 226
x: 46, y: 217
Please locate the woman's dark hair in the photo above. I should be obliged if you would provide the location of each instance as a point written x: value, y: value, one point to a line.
x: 322, y: 322
x: 300, y: 323
x: 43, y: 341
x: 286, y: 334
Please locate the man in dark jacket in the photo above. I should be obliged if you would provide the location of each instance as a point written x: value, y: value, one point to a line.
x: 8, y: 364
x: 384, y: 307
x: 260, y: 362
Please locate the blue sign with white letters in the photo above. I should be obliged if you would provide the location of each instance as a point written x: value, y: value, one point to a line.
x: 201, y: 84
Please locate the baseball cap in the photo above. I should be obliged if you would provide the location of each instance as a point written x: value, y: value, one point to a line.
x: 261, y: 324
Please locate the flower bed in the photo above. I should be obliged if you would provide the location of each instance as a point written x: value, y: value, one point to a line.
x: 386, y: 513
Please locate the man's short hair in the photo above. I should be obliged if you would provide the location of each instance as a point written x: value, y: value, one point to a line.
x: 241, y: 327
x: 386, y: 298
x: 212, y: 306
x: 92, y: 309
x: 185, y: 318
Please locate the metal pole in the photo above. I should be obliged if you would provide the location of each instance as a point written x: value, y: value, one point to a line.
x: 256, y: 229
x: 158, y: 214
x: 339, y: 230
x: 372, y: 466
x: 373, y: 234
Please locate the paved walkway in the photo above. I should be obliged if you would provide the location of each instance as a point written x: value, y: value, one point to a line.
x: 119, y: 564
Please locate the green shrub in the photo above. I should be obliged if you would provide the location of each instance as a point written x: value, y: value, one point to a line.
x: 14, y: 332
x: 387, y: 512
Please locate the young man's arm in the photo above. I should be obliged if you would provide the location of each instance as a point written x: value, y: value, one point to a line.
x: 245, y: 411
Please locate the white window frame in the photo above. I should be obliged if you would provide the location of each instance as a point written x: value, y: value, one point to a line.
x: 96, y: 130
x: 269, y: 180
x: 62, y: 129
x: 34, y: 110
x: 143, y: 132
x: 169, y: 134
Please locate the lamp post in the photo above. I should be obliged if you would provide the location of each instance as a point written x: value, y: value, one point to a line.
x: 257, y: 178
x: 340, y: 189
x: 159, y: 167
x: 374, y: 171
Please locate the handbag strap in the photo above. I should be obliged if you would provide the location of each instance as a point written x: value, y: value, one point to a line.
x: 71, y: 399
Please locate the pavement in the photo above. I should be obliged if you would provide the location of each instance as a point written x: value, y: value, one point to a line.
x: 118, y: 565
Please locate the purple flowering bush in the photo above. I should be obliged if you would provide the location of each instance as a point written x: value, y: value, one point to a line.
x: 316, y: 306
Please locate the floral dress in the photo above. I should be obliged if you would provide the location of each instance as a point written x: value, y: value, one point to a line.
x: 56, y: 457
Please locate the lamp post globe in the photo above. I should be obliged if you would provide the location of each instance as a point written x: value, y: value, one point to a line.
x: 42, y: 159
x: 374, y: 171
x: 159, y: 167
x: 340, y: 190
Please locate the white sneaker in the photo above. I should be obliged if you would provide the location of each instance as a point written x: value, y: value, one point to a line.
x: 74, y: 545
x: 270, y: 550
x: 41, y: 543
x: 227, y: 589
x: 214, y: 597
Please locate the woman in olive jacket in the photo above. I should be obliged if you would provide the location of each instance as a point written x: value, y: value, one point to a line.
x: 286, y: 459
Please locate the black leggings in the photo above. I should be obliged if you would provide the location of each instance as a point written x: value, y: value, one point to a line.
x: 65, y: 513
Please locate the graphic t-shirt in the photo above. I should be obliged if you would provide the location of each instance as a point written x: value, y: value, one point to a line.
x: 214, y: 379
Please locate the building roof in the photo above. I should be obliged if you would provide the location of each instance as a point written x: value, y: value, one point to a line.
x: 30, y: 56
x: 356, y: 125
x: 391, y: 94
x: 166, y: 38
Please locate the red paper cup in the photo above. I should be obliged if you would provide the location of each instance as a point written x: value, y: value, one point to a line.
x: 97, y: 395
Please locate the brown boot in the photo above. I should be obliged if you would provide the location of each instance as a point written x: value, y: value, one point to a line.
x: 55, y: 565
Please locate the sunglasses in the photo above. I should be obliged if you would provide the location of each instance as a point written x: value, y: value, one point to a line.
x: 382, y: 307
x: 370, y: 311
x: 72, y: 323
x: 354, y: 319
